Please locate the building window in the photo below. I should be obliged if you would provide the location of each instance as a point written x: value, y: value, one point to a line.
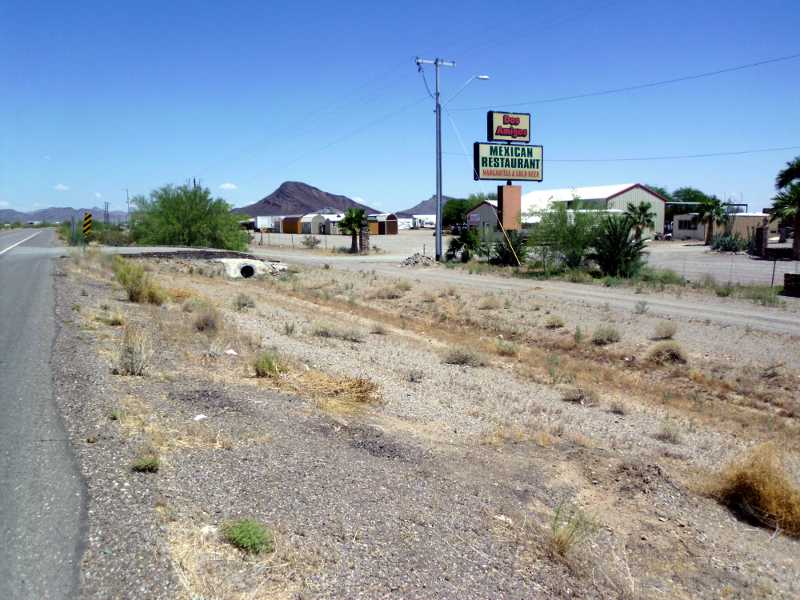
x: 687, y: 224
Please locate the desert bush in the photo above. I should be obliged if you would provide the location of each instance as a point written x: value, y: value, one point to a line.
x: 665, y: 330
x: 243, y: 302
x: 569, y: 528
x: 193, y: 305
x: 464, y: 356
x: 267, y: 364
x: 659, y: 277
x: 378, y: 329
x: 137, y: 283
x: 415, y: 375
x: 134, y: 352
x: 554, y: 322
x: 617, y: 252
x: 764, y: 295
x: 310, y: 241
x: 489, y: 302
x: 578, y: 395
x: 729, y: 243
x: 577, y: 276
x: 666, y: 352
x: 249, y: 536
x: 757, y: 489
x: 578, y: 335
x: 506, y: 348
x: 723, y: 291
x: 640, y: 308
x: 329, y: 331
x: 404, y: 285
x: 617, y: 408
x: 668, y: 433
x: 386, y: 292
x: 208, y: 321
x: 288, y: 329
x: 604, y: 335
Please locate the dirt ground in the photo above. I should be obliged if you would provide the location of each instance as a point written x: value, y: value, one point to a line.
x: 415, y: 441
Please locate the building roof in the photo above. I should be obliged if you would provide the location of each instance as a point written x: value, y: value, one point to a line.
x: 541, y: 199
x: 382, y: 217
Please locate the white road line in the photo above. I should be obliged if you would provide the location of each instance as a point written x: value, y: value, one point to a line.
x: 12, y: 246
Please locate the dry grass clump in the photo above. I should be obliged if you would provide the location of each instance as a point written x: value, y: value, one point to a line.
x: 208, y: 321
x: 392, y: 291
x: 669, y: 433
x: 578, y: 395
x: 489, y: 303
x: 554, y: 322
x: 757, y: 489
x: 138, y: 284
x: 604, y: 335
x: 193, y: 305
x: 506, y: 348
x: 665, y: 330
x: 340, y: 394
x: 666, y: 352
x: 378, y: 329
x: 243, y: 302
x: 464, y: 356
x: 134, y: 352
x: 324, y: 330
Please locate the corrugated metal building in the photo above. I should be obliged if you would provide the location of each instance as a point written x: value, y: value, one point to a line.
x: 382, y: 224
x: 602, y: 197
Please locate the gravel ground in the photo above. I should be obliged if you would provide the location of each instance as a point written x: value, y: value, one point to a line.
x: 446, y: 488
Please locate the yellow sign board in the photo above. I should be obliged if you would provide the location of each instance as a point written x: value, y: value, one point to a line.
x: 508, y: 127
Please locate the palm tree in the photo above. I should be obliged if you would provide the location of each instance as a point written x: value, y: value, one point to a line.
x: 711, y: 212
x: 352, y: 223
x: 788, y: 175
x: 642, y: 216
x: 786, y: 204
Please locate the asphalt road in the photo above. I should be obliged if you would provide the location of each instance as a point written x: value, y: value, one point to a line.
x: 41, y: 492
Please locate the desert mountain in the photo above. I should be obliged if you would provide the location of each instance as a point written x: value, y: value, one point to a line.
x: 296, y: 198
x: 426, y: 207
x: 60, y: 214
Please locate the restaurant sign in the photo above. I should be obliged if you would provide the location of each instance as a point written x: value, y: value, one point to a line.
x: 507, y: 162
x: 508, y: 127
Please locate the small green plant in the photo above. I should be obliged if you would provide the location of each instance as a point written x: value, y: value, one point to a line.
x: 310, y: 241
x: 115, y: 415
x: 146, y: 462
x: 243, y: 302
x: 554, y: 322
x: 267, y: 364
x: 641, y: 307
x: 569, y: 528
x: 604, y: 335
x: 328, y: 331
x: 666, y: 352
x: 137, y: 283
x: 249, y: 536
x: 665, y: 330
x: 579, y: 395
x: 193, y: 305
x: 288, y: 329
x: 465, y: 357
x: 724, y: 291
x: 578, y: 334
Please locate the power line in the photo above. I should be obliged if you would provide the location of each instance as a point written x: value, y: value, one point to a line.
x: 665, y: 157
x: 640, y: 86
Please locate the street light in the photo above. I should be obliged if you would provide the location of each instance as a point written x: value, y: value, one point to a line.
x: 466, y: 83
x: 438, y: 62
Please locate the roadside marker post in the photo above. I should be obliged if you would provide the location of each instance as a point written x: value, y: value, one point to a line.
x: 87, y: 224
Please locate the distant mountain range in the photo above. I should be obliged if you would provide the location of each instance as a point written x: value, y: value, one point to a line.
x: 297, y: 198
x: 60, y: 214
x: 426, y: 207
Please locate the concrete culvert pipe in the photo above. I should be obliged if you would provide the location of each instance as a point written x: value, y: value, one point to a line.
x: 247, y: 271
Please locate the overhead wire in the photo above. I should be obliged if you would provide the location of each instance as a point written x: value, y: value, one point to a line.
x: 639, y: 86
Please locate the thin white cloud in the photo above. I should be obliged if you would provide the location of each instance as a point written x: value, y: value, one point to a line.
x: 228, y: 186
x: 60, y: 187
x: 98, y: 195
x: 4, y: 204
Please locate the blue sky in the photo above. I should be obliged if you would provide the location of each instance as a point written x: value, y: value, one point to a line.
x: 99, y: 97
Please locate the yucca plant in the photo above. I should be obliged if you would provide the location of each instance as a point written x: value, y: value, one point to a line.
x: 616, y: 251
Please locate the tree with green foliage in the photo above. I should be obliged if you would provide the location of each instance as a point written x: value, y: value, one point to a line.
x: 786, y: 203
x: 510, y: 250
x: 186, y: 216
x: 660, y: 190
x: 355, y: 219
x: 569, y: 234
x: 711, y: 212
x: 642, y: 216
x: 465, y: 245
x: 616, y: 251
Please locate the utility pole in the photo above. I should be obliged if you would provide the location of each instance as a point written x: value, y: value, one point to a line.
x: 437, y: 62
x: 128, y: 204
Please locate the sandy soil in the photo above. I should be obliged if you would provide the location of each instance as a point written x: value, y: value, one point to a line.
x: 436, y: 479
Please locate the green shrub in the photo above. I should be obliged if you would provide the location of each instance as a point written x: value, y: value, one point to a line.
x: 329, y: 331
x: 604, y: 335
x: 554, y: 322
x: 146, y: 462
x: 137, y: 283
x: 652, y: 275
x: 506, y: 348
x: 570, y: 527
x: 729, y: 243
x: 248, y: 535
x: 310, y: 241
x: 617, y: 252
x: 465, y: 357
x: 267, y: 364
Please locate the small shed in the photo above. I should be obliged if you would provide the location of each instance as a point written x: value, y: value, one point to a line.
x: 291, y: 224
x: 383, y: 224
x: 483, y: 217
x: 312, y: 224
